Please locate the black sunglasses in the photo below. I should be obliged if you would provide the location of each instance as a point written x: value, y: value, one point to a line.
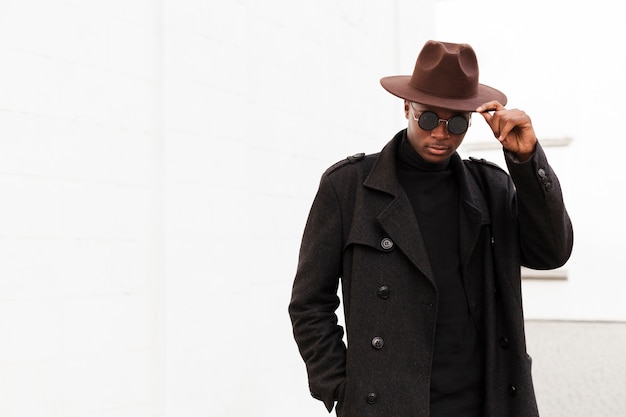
x: 428, y: 120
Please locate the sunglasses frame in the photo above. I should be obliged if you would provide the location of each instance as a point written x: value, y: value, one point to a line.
x: 420, y: 122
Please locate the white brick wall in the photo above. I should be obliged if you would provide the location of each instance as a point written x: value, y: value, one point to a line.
x: 78, y: 143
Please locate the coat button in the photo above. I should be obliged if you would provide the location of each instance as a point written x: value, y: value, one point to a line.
x: 541, y: 172
x: 512, y: 390
x: 378, y: 342
x: 386, y: 244
x: 371, y: 398
x: 384, y: 292
x: 356, y: 157
x: 504, y: 342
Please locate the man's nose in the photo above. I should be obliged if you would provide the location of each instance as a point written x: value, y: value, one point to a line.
x: 441, y: 131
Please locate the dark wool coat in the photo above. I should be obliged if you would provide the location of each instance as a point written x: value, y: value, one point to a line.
x: 362, y: 231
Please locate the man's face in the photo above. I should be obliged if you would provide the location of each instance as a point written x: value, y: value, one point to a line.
x: 435, y: 145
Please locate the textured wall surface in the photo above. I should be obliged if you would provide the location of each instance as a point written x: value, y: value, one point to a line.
x: 578, y: 367
x: 79, y: 272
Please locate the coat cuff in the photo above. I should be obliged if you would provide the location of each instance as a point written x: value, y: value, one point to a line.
x: 329, y: 401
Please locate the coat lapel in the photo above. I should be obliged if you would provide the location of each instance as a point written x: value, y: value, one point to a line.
x: 474, y: 212
x: 396, y: 215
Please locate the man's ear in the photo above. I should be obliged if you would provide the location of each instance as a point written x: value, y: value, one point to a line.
x: 407, y: 109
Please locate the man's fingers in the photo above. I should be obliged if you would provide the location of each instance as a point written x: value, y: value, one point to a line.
x: 509, y: 125
x: 490, y: 106
x: 487, y: 116
x: 486, y: 109
x: 512, y: 128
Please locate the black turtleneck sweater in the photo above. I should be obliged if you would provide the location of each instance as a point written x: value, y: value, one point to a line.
x: 457, y: 369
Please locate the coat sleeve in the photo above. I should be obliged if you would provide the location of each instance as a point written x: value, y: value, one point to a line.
x: 314, y: 299
x: 546, y: 234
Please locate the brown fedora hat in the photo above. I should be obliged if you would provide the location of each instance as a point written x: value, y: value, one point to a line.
x: 445, y: 75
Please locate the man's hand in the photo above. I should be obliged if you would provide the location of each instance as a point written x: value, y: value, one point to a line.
x: 512, y: 128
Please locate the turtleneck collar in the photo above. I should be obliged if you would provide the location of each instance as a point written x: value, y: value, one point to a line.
x: 409, y: 159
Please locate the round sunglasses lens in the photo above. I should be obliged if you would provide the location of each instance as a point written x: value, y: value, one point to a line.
x: 428, y: 120
x: 458, y: 125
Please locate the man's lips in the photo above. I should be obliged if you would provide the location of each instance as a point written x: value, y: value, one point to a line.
x: 438, y: 149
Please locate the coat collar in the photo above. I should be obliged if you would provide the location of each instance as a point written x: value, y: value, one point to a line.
x: 397, y: 217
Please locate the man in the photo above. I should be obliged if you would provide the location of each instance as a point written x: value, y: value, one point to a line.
x: 428, y: 249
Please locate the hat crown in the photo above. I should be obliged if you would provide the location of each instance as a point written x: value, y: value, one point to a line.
x: 446, y: 70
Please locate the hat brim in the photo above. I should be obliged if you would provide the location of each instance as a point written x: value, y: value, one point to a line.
x: 398, y: 85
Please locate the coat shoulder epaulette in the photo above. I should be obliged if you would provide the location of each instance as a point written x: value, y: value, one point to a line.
x: 484, y: 162
x: 353, y: 159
